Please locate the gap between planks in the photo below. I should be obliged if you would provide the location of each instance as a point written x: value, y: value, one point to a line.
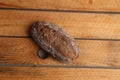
x: 67, y: 11
x: 74, y: 38
x: 57, y: 66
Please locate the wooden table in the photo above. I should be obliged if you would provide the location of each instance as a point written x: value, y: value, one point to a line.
x: 95, y: 24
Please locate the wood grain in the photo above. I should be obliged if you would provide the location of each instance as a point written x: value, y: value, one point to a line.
x: 44, y: 73
x: 92, y: 53
x: 79, y: 25
x: 77, y: 5
x: 18, y: 56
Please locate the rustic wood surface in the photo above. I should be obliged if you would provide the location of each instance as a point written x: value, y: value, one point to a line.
x: 79, y: 25
x: 95, y: 25
x: 76, y: 5
x: 48, y: 73
x: 93, y: 53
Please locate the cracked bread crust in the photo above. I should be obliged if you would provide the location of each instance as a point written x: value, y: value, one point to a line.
x: 54, y: 40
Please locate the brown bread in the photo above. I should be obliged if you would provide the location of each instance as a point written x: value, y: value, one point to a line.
x: 54, y: 40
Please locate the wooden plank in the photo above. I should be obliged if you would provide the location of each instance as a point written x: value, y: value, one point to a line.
x: 79, y: 25
x: 92, y: 53
x: 78, y: 5
x: 44, y: 73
